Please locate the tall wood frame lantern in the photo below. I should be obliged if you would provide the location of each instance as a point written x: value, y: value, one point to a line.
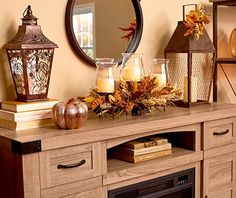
x: 30, y: 56
x: 191, y: 65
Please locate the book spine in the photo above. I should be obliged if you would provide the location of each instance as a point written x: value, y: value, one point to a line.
x: 152, y: 142
x: 134, y: 145
x: 151, y: 156
x: 25, y: 116
x: 145, y: 150
x: 33, y: 115
x: 141, y: 158
x: 17, y: 107
x: 25, y: 125
x: 152, y: 149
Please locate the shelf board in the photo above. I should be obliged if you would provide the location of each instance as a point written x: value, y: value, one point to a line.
x: 224, y: 2
x: 118, y: 170
x: 226, y: 60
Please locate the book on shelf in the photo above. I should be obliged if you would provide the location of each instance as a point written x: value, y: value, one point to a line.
x: 141, y: 158
x: 144, y: 150
x: 25, y: 116
x: 18, y: 106
x: 145, y: 142
x: 25, y: 124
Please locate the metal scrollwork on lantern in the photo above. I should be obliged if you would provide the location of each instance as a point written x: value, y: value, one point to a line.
x: 30, y: 56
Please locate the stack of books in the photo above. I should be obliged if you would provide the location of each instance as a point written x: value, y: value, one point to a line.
x: 143, y: 149
x: 25, y: 115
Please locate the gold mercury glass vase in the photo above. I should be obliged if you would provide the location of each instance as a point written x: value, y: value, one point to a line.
x: 232, y: 42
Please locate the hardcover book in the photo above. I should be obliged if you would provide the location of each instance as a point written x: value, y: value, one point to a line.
x: 25, y: 116
x: 26, y: 124
x: 141, y: 158
x: 17, y: 106
x: 145, y: 142
x: 145, y: 150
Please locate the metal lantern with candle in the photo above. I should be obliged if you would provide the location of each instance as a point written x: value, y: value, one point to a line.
x: 30, y: 56
x: 191, y: 56
x: 104, y: 78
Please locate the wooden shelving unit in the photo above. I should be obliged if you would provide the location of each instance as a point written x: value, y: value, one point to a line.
x: 219, y: 61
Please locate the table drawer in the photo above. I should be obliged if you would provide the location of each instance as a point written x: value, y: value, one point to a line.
x: 219, y: 132
x: 86, y: 188
x: 96, y: 193
x: 70, y: 164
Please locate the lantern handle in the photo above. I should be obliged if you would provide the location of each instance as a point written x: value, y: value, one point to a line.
x: 28, y: 11
x: 186, y: 6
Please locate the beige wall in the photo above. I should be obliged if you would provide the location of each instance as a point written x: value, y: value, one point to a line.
x: 72, y: 77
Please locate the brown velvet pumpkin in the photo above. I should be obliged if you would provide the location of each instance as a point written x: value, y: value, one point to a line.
x: 70, y: 115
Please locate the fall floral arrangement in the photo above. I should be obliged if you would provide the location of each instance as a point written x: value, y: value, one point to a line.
x: 132, y: 97
x: 195, y: 21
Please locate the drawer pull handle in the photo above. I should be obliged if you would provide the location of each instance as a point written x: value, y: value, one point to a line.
x: 222, y: 132
x: 60, y: 166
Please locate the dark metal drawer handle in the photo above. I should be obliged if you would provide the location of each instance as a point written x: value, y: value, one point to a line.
x: 60, y: 166
x: 222, y: 132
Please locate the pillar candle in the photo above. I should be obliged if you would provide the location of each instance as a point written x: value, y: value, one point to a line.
x: 161, y: 80
x: 194, y: 81
x: 105, y: 85
x: 132, y: 74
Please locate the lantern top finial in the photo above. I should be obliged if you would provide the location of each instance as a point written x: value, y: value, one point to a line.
x: 28, y: 17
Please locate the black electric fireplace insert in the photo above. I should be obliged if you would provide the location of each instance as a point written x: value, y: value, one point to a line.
x: 176, y: 185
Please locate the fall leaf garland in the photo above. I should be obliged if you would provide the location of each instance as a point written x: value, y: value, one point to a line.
x: 130, y: 97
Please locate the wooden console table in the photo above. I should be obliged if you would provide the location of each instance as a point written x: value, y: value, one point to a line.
x: 34, y: 163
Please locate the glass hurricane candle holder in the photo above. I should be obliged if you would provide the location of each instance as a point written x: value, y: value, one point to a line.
x: 159, y: 69
x: 132, y: 67
x: 104, y: 77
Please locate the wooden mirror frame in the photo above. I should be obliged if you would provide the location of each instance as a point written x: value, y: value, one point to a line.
x: 132, y: 46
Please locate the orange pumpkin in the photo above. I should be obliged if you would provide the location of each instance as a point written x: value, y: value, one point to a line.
x: 71, y: 115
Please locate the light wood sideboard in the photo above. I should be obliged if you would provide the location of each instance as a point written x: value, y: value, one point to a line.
x: 49, y: 162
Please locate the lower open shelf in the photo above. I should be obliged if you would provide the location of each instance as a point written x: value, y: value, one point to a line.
x: 118, y: 170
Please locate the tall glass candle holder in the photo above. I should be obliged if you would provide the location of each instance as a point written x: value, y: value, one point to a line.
x: 132, y: 67
x: 104, y: 78
x: 159, y: 68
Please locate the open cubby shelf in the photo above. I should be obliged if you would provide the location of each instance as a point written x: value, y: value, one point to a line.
x: 184, y: 152
x: 114, y: 165
x: 118, y: 170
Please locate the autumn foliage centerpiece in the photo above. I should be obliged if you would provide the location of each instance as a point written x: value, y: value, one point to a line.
x: 195, y: 20
x: 132, y: 97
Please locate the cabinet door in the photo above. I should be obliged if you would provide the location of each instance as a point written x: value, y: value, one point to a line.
x: 219, y: 176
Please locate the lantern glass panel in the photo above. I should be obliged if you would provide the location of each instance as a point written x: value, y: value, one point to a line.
x: 38, y: 69
x: 202, y: 71
x: 16, y: 65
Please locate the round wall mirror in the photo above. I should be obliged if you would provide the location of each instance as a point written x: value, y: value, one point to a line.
x: 104, y: 28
